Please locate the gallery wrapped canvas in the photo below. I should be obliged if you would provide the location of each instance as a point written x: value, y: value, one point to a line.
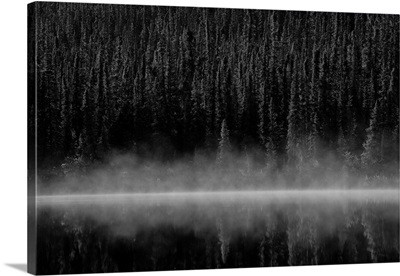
x: 176, y: 138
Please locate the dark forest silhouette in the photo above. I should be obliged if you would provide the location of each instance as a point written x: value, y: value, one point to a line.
x: 167, y: 82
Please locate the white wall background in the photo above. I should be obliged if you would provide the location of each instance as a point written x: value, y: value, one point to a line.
x: 13, y: 149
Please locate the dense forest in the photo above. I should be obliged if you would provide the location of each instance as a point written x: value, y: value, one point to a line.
x: 294, y: 89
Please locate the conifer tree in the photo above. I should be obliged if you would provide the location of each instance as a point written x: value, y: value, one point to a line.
x: 292, y: 145
x: 224, y: 145
x: 371, y: 155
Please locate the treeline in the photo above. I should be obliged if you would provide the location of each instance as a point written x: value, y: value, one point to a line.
x: 170, y: 81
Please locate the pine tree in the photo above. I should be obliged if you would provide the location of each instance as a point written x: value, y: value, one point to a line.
x: 271, y: 145
x: 292, y: 145
x: 371, y: 155
x: 224, y: 145
x: 197, y: 113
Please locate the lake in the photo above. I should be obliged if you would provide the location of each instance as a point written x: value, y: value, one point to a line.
x: 82, y: 233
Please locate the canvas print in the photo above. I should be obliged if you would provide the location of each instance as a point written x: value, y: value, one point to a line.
x: 175, y: 138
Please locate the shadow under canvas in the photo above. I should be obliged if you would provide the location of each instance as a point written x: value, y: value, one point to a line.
x: 20, y: 267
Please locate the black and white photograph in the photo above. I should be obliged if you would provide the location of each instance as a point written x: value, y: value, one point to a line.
x: 167, y: 138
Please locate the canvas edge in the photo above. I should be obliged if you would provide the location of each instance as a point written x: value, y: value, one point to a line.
x: 32, y: 138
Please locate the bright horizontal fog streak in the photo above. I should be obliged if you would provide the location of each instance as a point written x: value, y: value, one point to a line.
x: 210, y: 197
x: 238, y: 209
